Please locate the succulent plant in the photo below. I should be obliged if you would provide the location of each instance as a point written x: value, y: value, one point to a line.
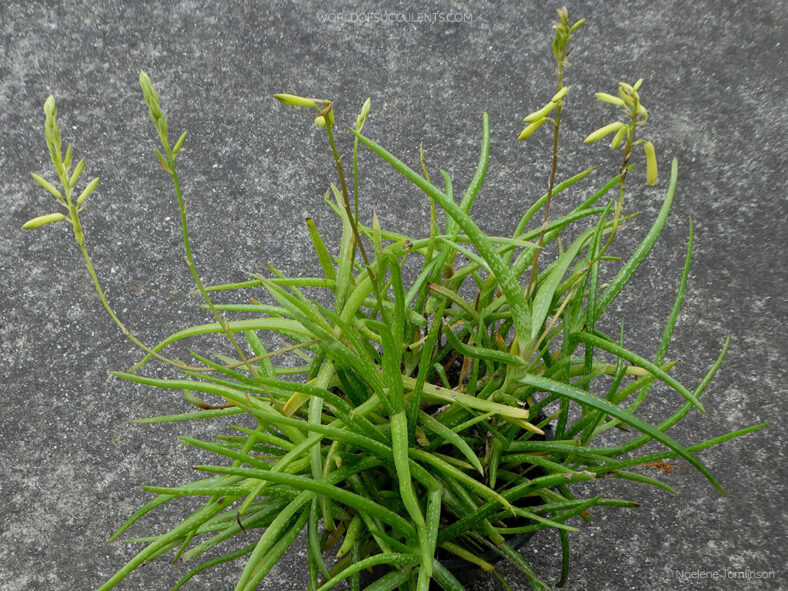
x: 401, y: 421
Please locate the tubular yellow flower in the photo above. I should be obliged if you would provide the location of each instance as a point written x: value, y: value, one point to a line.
x: 147, y: 87
x: 609, y: 98
x: 296, y: 101
x: 541, y: 113
x: 603, y: 131
x: 49, y: 107
x: 179, y: 144
x: 362, y: 116
x: 531, y: 128
x: 651, y: 163
x: 42, y: 220
x: 618, y: 137
x: 52, y: 132
x: 87, y: 191
x: 151, y: 98
x: 67, y: 158
x: 48, y: 186
x: 77, y: 172
x: 559, y: 95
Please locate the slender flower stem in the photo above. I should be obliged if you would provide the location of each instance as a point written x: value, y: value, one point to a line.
x: 80, y: 238
x: 190, y: 262
x: 79, y: 235
x: 622, y: 181
x: 354, y: 218
x: 126, y: 332
x: 550, y: 184
x: 345, y: 198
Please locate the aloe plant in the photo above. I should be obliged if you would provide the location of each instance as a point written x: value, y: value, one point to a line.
x: 403, y: 423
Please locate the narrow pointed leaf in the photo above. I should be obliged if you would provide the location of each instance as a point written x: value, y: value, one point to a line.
x: 626, y: 417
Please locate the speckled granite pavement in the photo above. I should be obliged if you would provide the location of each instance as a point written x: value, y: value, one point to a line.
x: 72, y: 463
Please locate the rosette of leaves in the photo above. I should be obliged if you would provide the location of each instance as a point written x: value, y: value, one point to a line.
x: 400, y: 421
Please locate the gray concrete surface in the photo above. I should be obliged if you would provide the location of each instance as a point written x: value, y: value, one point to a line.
x: 715, y: 86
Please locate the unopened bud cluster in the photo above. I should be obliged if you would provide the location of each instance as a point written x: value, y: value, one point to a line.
x: 160, y: 121
x: 563, y: 33
x: 68, y: 179
x: 154, y: 110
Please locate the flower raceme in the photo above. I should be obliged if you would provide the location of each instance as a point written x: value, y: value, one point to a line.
x: 68, y: 179
x: 628, y: 99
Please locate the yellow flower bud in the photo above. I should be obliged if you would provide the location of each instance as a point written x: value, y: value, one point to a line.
x: 576, y: 25
x: 295, y: 101
x: 77, y: 171
x: 320, y: 121
x: 651, y: 163
x: 150, y: 96
x: 609, y: 98
x: 603, y: 131
x: 87, y: 191
x: 179, y: 144
x: 362, y: 116
x: 559, y: 95
x: 147, y: 88
x: 42, y: 220
x: 49, y: 107
x: 531, y: 128
x: 44, y: 183
x: 67, y: 159
x: 52, y: 131
x: 618, y: 137
x: 541, y: 113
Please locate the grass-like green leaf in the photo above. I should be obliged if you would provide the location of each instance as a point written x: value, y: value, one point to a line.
x: 506, y: 280
x: 625, y: 417
x: 637, y: 257
x: 640, y: 362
